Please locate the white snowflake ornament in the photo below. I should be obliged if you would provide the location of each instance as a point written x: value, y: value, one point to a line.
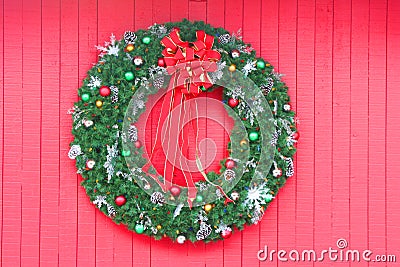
x: 95, y: 82
x: 249, y: 67
x: 109, y: 48
x: 257, y: 196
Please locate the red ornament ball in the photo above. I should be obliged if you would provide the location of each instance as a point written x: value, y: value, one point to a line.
x: 230, y: 164
x: 225, y: 234
x: 120, y: 200
x: 104, y: 91
x: 296, y: 135
x: 161, y: 62
x: 138, y: 144
x: 175, y: 190
x: 232, y: 102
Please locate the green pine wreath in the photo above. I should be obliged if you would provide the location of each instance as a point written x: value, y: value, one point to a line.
x: 100, y: 153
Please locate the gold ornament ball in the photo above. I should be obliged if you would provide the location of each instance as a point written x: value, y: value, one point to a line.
x: 232, y: 68
x: 159, y: 227
x: 99, y: 103
x: 208, y: 207
x: 130, y: 47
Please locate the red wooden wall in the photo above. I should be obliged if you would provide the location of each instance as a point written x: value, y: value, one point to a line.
x: 341, y: 60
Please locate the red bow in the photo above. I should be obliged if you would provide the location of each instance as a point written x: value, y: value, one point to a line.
x: 190, y: 62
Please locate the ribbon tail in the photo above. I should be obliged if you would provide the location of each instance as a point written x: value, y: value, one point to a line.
x: 191, y: 187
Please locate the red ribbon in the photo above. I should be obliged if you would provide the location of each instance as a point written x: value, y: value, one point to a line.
x: 188, y: 63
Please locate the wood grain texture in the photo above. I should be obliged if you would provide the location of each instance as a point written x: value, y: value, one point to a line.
x: 341, y: 64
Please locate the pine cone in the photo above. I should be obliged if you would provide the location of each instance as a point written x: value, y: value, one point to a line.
x: 204, y: 231
x: 133, y: 133
x: 225, y: 38
x: 130, y: 37
x: 157, y: 198
x: 158, y: 81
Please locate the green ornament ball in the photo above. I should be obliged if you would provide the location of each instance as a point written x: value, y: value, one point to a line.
x: 146, y: 40
x: 253, y: 136
x: 139, y: 228
x: 129, y: 76
x: 202, y: 88
x: 199, y: 198
x: 126, y: 153
x: 260, y: 64
x: 85, y: 97
x: 269, y: 198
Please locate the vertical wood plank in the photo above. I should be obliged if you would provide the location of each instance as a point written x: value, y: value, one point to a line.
x: 377, y: 126
x: 143, y: 14
x: 393, y: 120
x: 86, y: 243
x: 252, y: 23
x: 179, y: 10
x: 323, y: 124
x: 142, y: 245
x: 305, y: 78
x: 161, y: 11
x: 252, y: 35
x: 31, y: 135
x: 233, y: 15
x: 233, y: 22
x: 341, y: 121
x: 113, y: 18
x: 68, y: 95
x: 216, y: 13
x: 197, y: 10
x: 287, y: 212
x: 3, y: 178
x: 359, y: 126
x: 214, y: 252
x: 12, y: 154
x: 50, y: 133
x: 270, y: 52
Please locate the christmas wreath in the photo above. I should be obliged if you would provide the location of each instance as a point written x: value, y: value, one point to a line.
x: 176, y: 65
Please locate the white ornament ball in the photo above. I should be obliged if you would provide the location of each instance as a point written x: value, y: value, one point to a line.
x: 138, y: 61
x: 286, y: 107
x: 90, y: 164
x: 277, y: 172
x: 181, y: 239
x: 235, y: 195
x: 88, y: 123
x: 147, y: 186
x: 235, y: 53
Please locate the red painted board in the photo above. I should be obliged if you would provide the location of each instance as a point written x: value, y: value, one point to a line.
x: 68, y: 202
x: 377, y: 125
x: 12, y: 133
x: 341, y: 121
x: 393, y: 119
x: 323, y: 131
x: 31, y: 136
x: 50, y: 139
